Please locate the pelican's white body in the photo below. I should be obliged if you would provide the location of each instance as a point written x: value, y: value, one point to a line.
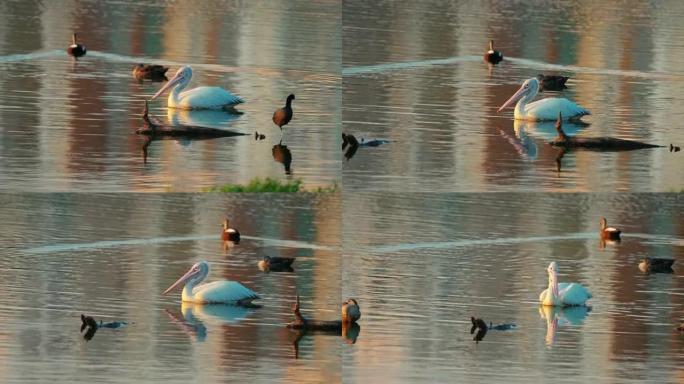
x: 544, y: 109
x: 224, y: 292
x: 203, y: 98
x: 218, y: 292
x: 196, y: 98
x: 562, y: 294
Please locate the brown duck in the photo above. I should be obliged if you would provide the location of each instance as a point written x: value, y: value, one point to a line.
x: 608, y: 233
x: 75, y: 49
x: 150, y: 72
x: 493, y: 56
x: 228, y: 233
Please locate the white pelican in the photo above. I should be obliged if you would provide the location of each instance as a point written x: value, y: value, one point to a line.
x: 196, y: 98
x: 217, y: 292
x: 562, y: 294
x: 544, y: 109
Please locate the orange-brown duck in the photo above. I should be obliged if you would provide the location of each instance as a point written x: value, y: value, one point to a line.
x: 493, y: 56
x: 609, y: 233
x: 283, y: 115
x: 228, y: 233
x: 75, y: 49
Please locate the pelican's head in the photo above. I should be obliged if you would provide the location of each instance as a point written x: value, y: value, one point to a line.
x: 350, y: 311
x: 553, y: 268
x: 491, y: 46
x: 553, y: 277
x: 528, y: 90
x: 197, y: 273
x: 226, y: 224
x: 182, y: 78
x: 603, y: 223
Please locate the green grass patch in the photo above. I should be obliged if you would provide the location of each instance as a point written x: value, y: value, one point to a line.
x: 270, y: 185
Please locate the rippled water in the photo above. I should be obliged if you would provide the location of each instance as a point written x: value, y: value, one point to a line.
x: 70, y: 125
x: 413, y: 74
x: 422, y: 264
x: 110, y: 256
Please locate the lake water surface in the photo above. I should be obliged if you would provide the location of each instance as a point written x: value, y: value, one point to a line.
x: 111, y: 256
x: 69, y: 125
x: 422, y: 264
x: 413, y: 74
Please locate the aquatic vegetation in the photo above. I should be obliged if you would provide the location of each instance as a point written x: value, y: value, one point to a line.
x: 270, y: 185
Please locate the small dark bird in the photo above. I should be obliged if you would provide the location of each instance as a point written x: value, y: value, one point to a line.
x: 150, y: 72
x: 92, y: 325
x: 609, y: 233
x: 674, y: 148
x: 228, y: 233
x: 551, y: 82
x: 493, y: 56
x: 282, y: 116
x: 349, y: 140
x: 259, y: 136
x: 75, y: 49
x: 480, y: 326
x: 276, y: 264
x: 656, y: 265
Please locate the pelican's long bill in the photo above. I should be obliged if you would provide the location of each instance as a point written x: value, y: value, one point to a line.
x: 182, y: 280
x: 175, y: 80
x: 514, y: 98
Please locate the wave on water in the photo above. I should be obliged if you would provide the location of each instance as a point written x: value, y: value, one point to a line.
x: 540, y: 65
x: 511, y: 240
x: 169, y: 239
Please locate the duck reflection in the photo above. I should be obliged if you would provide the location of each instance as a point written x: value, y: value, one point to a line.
x: 562, y: 316
x: 282, y: 154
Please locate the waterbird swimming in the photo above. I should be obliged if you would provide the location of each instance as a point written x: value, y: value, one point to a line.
x: 283, y: 115
x: 656, y: 265
x: 609, y: 233
x: 150, y: 72
x: 351, y: 313
x: 228, y: 233
x: 492, y: 56
x: 480, y: 326
x: 92, y: 325
x: 544, y: 109
x: 562, y: 294
x: 75, y: 49
x: 551, y: 82
x: 217, y: 292
x: 595, y: 143
x: 276, y: 264
x: 196, y: 98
